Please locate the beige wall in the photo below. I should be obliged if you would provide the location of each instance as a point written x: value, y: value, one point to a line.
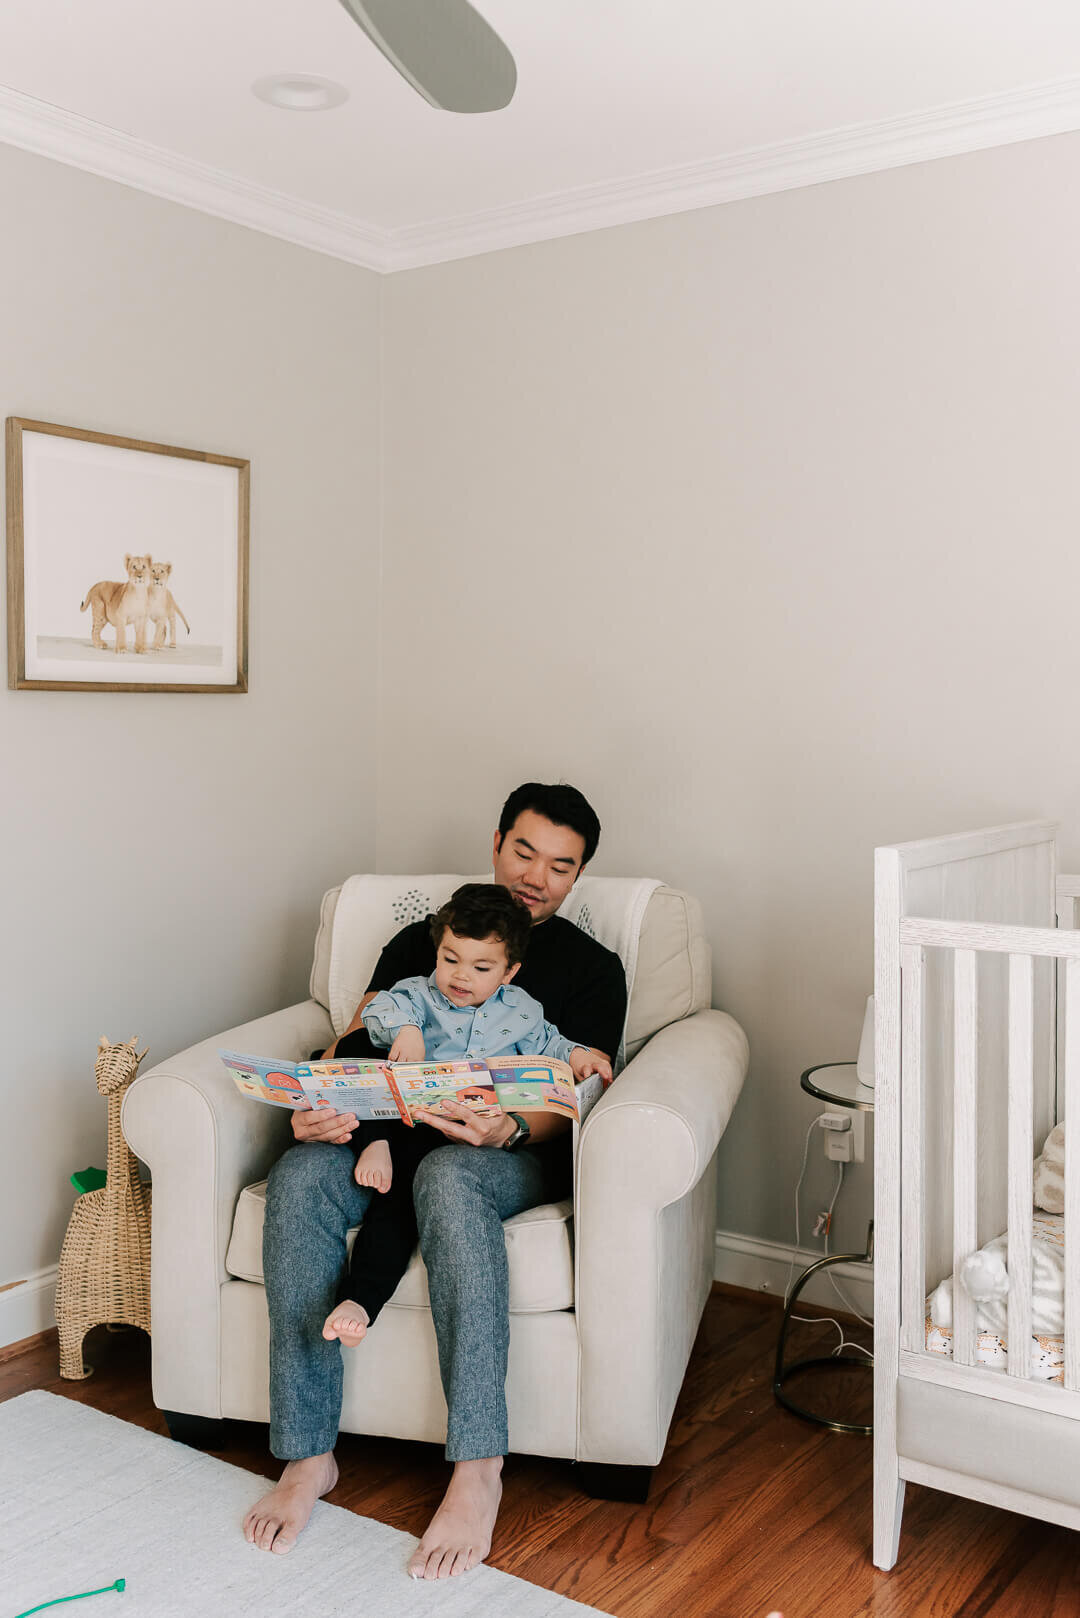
x: 760, y: 525
x: 163, y: 857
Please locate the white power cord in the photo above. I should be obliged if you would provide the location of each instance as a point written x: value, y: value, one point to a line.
x: 848, y: 1305
x: 845, y: 1342
x: 840, y: 1293
x: 810, y: 1320
x: 798, y: 1189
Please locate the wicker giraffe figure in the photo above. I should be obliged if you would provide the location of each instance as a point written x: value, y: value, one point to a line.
x: 104, y: 1275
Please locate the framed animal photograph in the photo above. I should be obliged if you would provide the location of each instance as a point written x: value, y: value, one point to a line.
x: 127, y: 563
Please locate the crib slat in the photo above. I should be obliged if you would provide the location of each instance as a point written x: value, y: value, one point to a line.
x: 1072, y: 1171
x: 1021, y: 1105
x: 965, y: 1145
x: 1067, y: 907
x: 913, y: 1286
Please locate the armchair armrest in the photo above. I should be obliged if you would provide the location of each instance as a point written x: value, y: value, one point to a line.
x: 645, y: 1231
x: 203, y: 1142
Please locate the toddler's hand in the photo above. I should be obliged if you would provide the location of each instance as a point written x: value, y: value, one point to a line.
x: 408, y: 1045
x: 585, y: 1062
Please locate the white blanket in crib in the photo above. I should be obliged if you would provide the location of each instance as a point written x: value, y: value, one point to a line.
x: 1047, y: 1290
x: 992, y: 1314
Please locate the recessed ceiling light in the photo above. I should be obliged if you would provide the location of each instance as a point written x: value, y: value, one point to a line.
x: 300, y: 92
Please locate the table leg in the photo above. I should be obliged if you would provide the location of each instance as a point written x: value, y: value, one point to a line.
x: 783, y: 1373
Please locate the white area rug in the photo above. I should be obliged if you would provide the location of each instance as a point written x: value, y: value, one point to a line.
x: 86, y: 1499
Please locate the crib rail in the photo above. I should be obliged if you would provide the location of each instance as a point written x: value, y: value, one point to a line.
x: 1023, y: 946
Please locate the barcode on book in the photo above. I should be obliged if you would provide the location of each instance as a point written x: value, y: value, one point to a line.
x: 385, y: 1112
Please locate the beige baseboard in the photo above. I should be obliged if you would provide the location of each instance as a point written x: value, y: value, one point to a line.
x: 27, y: 1307
x: 743, y: 1261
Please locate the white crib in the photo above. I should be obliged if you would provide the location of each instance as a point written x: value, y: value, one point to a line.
x: 977, y: 1052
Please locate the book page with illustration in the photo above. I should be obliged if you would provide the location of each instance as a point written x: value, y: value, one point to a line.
x: 373, y: 1089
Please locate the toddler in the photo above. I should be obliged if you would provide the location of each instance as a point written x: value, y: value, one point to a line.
x: 467, y: 1009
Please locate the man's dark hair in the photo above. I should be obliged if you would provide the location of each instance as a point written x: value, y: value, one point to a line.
x: 483, y: 910
x: 561, y: 804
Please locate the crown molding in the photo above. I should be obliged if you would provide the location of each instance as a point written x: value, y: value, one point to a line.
x: 949, y: 131
x: 1028, y: 113
x: 36, y: 126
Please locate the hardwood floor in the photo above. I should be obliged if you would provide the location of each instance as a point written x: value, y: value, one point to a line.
x: 751, y: 1509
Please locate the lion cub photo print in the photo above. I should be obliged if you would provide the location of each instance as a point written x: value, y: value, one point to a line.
x: 131, y: 565
x: 144, y: 601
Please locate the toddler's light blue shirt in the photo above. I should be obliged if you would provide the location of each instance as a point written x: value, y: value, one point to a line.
x: 509, y: 1023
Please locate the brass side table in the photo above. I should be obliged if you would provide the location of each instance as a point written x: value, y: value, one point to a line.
x: 839, y: 1085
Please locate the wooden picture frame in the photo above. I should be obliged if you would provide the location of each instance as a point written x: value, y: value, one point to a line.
x: 108, y: 528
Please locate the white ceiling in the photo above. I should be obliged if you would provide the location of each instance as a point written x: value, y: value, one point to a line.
x: 623, y: 108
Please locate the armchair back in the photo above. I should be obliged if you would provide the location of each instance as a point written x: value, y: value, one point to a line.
x: 670, y: 968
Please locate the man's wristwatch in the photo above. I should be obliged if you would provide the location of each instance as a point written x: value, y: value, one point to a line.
x: 521, y: 1133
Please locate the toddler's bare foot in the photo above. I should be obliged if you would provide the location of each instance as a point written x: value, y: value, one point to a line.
x: 373, y: 1166
x: 459, y: 1534
x: 276, y: 1520
x: 348, y: 1322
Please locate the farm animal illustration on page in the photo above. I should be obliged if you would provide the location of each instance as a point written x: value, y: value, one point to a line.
x: 162, y: 609
x: 121, y: 604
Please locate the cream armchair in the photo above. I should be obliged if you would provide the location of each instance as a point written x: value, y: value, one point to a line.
x: 605, y: 1294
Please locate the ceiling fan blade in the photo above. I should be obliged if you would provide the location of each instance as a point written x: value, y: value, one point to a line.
x: 443, y: 48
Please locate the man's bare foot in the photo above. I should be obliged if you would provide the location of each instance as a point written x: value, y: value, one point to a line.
x: 276, y: 1520
x: 459, y: 1535
x: 374, y: 1166
x: 348, y: 1322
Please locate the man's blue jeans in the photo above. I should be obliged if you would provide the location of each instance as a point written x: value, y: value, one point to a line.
x: 462, y: 1194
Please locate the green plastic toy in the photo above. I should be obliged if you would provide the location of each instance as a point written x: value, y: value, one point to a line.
x: 88, y: 1180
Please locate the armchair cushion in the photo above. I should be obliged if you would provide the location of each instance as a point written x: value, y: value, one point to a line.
x: 674, y: 967
x: 539, y: 1247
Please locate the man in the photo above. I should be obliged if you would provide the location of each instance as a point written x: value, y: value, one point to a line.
x: 487, y: 1172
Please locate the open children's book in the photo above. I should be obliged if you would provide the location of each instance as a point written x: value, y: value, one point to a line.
x: 373, y: 1089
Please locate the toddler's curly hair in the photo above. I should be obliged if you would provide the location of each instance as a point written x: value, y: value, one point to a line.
x: 481, y: 910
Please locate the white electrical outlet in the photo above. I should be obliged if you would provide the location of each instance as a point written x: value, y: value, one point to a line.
x: 845, y: 1136
x: 839, y: 1148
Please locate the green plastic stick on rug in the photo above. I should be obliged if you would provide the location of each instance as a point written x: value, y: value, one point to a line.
x: 56, y: 1601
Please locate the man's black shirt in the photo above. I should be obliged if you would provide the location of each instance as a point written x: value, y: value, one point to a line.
x: 580, y: 984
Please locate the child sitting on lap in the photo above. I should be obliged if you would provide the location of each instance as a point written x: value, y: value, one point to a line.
x: 467, y: 1009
